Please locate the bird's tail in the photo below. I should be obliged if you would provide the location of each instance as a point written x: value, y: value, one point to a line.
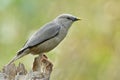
x: 17, y: 57
x: 14, y: 59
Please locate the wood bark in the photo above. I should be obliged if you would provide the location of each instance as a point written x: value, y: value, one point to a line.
x: 41, y: 70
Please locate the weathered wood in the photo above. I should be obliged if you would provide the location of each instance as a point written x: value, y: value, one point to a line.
x: 41, y: 70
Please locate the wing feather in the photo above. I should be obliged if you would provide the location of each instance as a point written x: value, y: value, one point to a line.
x: 47, y: 32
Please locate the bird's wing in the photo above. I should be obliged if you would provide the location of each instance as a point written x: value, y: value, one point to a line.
x: 48, y: 31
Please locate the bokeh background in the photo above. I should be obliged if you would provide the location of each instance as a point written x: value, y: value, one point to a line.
x: 91, y: 50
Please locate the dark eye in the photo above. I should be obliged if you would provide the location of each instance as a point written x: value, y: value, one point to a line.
x: 69, y: 18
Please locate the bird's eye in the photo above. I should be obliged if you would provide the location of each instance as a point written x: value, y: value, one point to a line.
x: 68, y: 18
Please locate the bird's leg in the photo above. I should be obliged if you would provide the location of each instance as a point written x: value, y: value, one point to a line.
x: 44, y: 56
x: 45, y: 63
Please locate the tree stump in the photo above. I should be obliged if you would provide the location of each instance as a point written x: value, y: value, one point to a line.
x: 41, y: 70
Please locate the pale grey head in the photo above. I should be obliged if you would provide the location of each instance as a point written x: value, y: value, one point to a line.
x: 66, y: 20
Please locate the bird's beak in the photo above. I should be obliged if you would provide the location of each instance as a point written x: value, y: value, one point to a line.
x: 77, y: 19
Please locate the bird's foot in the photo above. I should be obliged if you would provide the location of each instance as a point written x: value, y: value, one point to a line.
x: 45, y: 63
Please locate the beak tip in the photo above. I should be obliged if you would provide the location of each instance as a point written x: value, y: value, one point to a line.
x: 78, y: 19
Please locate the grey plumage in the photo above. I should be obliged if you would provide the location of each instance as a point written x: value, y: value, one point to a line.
x: 47, y: 37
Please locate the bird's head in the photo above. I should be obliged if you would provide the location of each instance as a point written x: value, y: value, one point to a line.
x: 66, y: 20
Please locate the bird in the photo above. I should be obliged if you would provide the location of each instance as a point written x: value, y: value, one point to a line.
x: 47, y: 37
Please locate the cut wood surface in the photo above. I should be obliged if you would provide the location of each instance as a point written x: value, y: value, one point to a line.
x: 41, y: 70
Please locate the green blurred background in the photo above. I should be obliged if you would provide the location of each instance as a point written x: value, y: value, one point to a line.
x: 91, y: 50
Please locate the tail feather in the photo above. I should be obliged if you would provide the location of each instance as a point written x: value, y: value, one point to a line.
x: 21, y: 51
x: 19, y: 55
x: 14, y: 59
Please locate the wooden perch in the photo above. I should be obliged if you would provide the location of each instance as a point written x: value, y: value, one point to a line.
x: 41, y: 70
